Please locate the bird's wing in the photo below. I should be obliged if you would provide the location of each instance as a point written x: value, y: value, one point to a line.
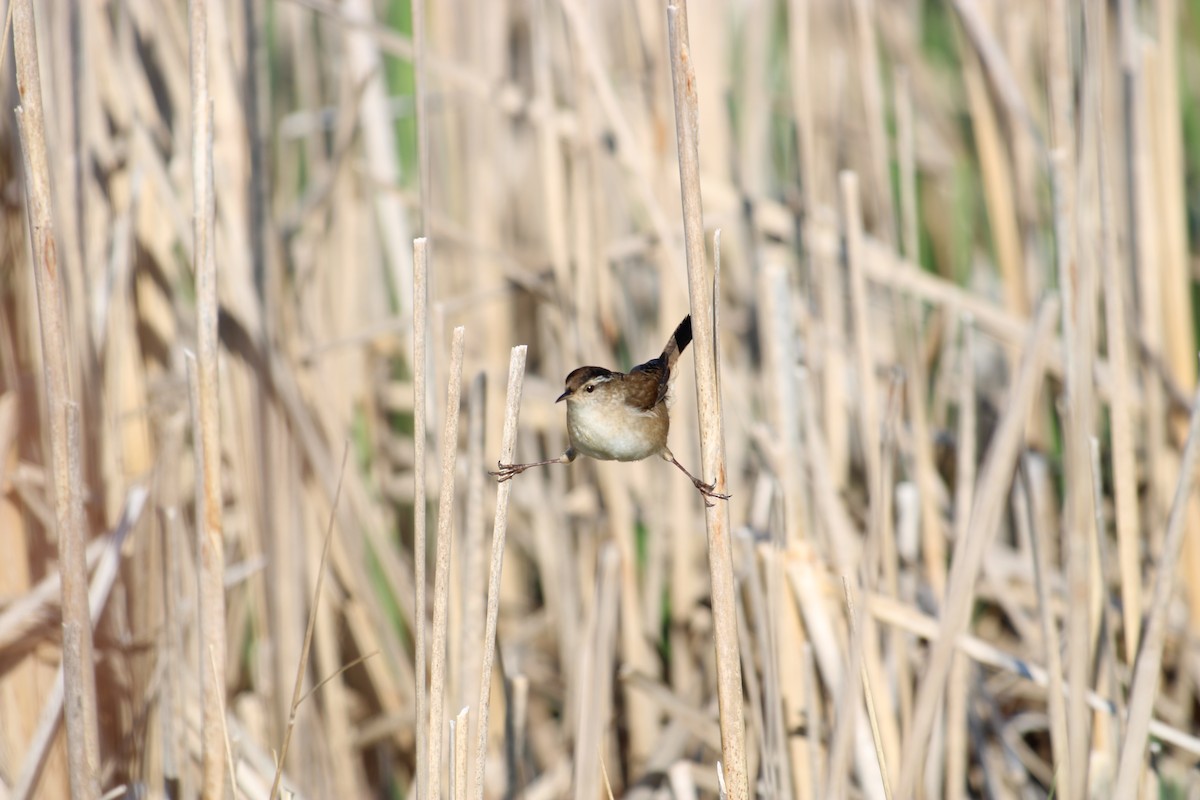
x: 649, y: 383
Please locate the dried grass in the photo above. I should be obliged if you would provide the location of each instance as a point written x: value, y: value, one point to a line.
x: 944, y: 352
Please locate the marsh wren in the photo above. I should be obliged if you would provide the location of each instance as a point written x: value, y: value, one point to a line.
x: 617, y: 416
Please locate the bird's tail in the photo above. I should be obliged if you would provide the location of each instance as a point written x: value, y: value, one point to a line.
x: 678, y: 342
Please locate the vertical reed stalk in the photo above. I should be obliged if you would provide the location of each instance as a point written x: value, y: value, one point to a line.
x: 708, y: 401
x: 61, y: 415
x: 508, y: 445
x: 441, y: 578
x: 211, y: 534
x: 420, y: 491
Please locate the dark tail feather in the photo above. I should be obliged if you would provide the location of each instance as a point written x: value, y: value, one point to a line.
x: 678, y: 342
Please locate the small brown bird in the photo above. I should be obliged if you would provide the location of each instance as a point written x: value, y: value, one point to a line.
x: 614, y: 416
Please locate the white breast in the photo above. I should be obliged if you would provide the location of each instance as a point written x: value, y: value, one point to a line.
x: 611, y: 432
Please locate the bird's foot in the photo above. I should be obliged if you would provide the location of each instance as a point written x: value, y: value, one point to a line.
x: 506, y: 472
x: 709, y: 490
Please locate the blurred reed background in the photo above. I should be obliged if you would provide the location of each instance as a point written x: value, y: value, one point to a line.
x: 957, y: 353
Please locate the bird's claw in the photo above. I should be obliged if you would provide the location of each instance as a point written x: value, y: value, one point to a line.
x: 710, y: 490
x: 506, y: 472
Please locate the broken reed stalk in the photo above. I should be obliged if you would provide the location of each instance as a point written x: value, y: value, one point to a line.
x: 441, y: 577
x: 1146, y: 672
x: 306, y: 648
x: 968, y: 555
x: 420, y: 345
x: 708, y: 402
x: 211, y: 536
x: 459, y: 730
x: 83, y: 740
x: 508, y: 446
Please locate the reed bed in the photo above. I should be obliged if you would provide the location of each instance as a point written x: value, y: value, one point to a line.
x: 939, y: 260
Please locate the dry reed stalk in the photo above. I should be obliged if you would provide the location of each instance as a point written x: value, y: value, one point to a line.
x: 839, y: 535
x: 988, y: 654
x: 933, y: 547
x: 812, y: 716
x: 909, y: 240
x: 459, y: 736
x: 712, y: 435
x: 28, y: 616
x: 896, y: 708
x: 420, y: 63
x: 508, y: 444
x: 1078, y: 311
x: 1179, y: 340
x: 997, y: 67
x: 473, y: 545
x: 1098, y: 218
x: 875, y: 114
x: 441, y: 579
x: 628, y: 148
x: 759, y: 756
x: 831, y: 340
x: 798, y: 52
x: 782, y: 665
x: 985, y: 517
x: 595, y: 670
x: 420, y: 493
x: 1123, y: 455
x: 1146, y: 672
x: 105, y: 575
x: 365, y: 616
x: 789, y: 458
x: 955, y: 728
x: 818, y: 616
x: 635, y: 644
x: 210, y: 533
x: 339, y: 772
x: 777, y: 340
x: 753, y: 142
x: 957, y: 736
x: 697, y: 724
x: 550, y: 167
x: 868, y: 401
x: 310, y: 627
x: 1105, y: 619
x: 1147, y: 266
x: 966, y: 450
x: 1034, y: 541
x: 1142, y: 255
x: 996, y: 171
x: 61, y: 417
x: 883, y: 723
x: 868, y: 694
x: 365, y: 66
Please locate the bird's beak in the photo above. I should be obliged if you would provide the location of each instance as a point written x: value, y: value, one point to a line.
x: 563, y: 396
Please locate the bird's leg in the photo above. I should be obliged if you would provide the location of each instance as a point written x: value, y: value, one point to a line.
x: 506, y: 472
x: 706, y: 489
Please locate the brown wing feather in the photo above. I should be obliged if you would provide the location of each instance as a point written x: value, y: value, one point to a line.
x: 646, y: 384
x: 653, y: 379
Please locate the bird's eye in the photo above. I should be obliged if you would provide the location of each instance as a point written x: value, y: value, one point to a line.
x: 591, y: 389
